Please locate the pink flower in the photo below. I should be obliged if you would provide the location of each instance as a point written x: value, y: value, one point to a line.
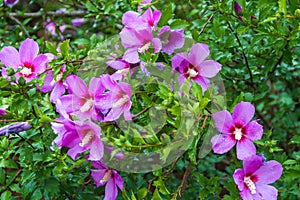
x: 111, y: 104
x: 11, y: 3
x: 2, y: 112
x: 237, y: 8
x: 51, y: 27
x: 79, y: 137
x: 253, y: 180
x: 27, y: 59
x: 80, y: 101
x: 56, y: 86
x: 103, y: 175
x: 237, y: 129
x: 195, y: 67
x: 171, y: 39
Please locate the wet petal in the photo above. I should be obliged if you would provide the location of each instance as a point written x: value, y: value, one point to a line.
x: 254, y: 130
x: 223, y: 121
x: 98, y: 175
x: 131, y: 55
x: 246, y: 195
x: 238, y: 177
x: 111, y: 190
x: 198, y: 54
x: 28, y: 50
x: 39, y: 64
x: 203, y: 82
x: 222, y: 143
x: 156, y: 44
x: 244, y: 149
x: 77, y: 86
x: 269, y: 172
x: 96, y: 150
x: 9, y: 56
x: 243, y: 113
x: 57, y: 92
x: 267, y: 192
x: 252, y: 163
x: 209, y: 68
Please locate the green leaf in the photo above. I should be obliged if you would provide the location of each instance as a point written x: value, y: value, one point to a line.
x: 51, y: 48
x: 37, y: 194
x: 91, y: 7
x: 65, y: 49
x: 282, y: 6
x: 167, y: 14
x: 161, y: 186
x: 51, y: 185
x: 2, y: 176
x: 156, y: 195
x: 179, y: 24
x: 5, y: 195
x: 8, y: 164
x: 142, y: 193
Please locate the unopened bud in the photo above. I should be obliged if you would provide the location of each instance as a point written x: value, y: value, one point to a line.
x: 14, y: 128
x: 237, y: 8
x: 2, y: 112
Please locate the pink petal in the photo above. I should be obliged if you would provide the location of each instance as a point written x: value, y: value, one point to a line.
x: 114, y: 114
x: 176, y: 41
x: 238, y: 177
x: 66, y: 104
x: 9, y: 56
x: 267, y: 192
x: 95, y: 86
x: 57, y: 92
x: 209, y: 68
x: 108, y: 83
x: 245, y: 149
x: 222, y: 143
x: 39, y: 63
x: 28, y: 50
x: 203, y: 82
x: 118, y: 179
x: 130, y: 38
x: 111, y: 190
x: 223, y: 121
x: 98, y: 175
x: 254, y: 130
x: 198, y: 53
x: 104, y: 101
x: 156, y: 16
x: 118, y: 64
x: 47, y: 87
x: 269, y: 172
x: 77, y: 86
x: 96, y: 150
x: 243, y: 113
x: 251, y: 164
x: 157, y: 45
x: 130, y: 18
x: 131, y: 55
x: 246, y: 195
x: 75, y: 151
x: 177, y: 60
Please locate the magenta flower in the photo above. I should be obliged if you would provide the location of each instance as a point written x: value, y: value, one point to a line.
x: 80, y: 101
x: 57, y: 86
x: 79, y: 137
x: 195, y: 66
x: 11, y: 3
x: 103, y: 175
x: 14, y: 128
x: 77, y: 21
x: 171, y: 39
x: 253, y: 180
x: 111, y: 104
x: 145, y: 2
x: 237, y: 129
x: 138, y: 41
x: 2, y: 112
x: 27, y: 59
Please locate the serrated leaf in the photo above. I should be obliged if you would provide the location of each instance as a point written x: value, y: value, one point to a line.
x: 91, y: 7
x: 51, y: 48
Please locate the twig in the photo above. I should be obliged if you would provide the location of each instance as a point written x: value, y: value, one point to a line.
x: 183, y: 184
x: 205, y: 24
x: 144, y: 110
x: 13, y: 179
x: 243, y: 53
x: 50, y: 13
x: 21, y: 25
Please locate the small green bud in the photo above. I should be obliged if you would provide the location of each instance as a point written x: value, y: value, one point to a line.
x: 10, y: 71
x: 297, y: 13
x: 22, y: 80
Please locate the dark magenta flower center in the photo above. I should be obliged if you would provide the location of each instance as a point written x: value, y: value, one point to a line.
x: 190, y: 71
x: 238, y: 132
x: 249, y: 182
x: 27, y: 70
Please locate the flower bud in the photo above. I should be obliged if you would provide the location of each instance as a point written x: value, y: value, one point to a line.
x: 14, y: 128
x: 237, y: 8
x: 297, y: 13
x: 2, y: 112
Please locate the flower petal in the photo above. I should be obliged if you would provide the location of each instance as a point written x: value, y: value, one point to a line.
x: 269, y: 172
x: 9, y: 56
x: 98, y: 175
x: 253, y: 130
x: 28, y: 50
x: 177, y: 60
x: 251, y: 164
x: 246, y: 195
x: 95, y: 87
x: 198, y: 54
x: 223, y: 121
x: 77, y: 86
x: 130, y: 18
x: 243, y: 113
x: 238, y: 177
x: 245, y: 148
x: 39, y: 63
x: 131, y: 55
x: 267, y: 191
x: 57, y: 92
x: 203, y: 82
x: 222, y: 143
x: 209, y: 68
x: 111, y: 190
x: 96, y: 150
x: 157, y: 45
x: 118, y: 179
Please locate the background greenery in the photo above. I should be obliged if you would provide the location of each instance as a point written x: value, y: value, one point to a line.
x: 260, y: 56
